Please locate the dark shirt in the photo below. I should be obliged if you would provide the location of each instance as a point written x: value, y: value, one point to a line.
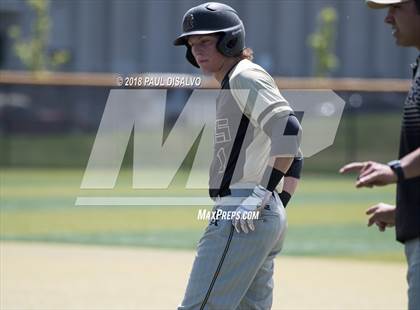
x: 408, y: 191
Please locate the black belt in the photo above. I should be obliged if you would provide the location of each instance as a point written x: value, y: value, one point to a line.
x: 219, y: 193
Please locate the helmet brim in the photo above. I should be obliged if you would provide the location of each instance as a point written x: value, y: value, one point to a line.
x: 183, y: 38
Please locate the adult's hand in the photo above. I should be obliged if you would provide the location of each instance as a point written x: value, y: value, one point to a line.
x: 382, y: 214
x: 371, y: 173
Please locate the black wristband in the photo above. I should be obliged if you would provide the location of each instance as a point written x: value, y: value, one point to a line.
x: 272, y: 178
x: 285, y: 197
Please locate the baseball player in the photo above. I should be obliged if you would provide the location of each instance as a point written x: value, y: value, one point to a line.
x: 255, y: 168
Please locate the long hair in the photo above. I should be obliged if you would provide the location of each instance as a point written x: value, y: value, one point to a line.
x: 248, y: 53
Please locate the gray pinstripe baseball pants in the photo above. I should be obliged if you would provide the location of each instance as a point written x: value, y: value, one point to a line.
x: 412, y: 252
x: 234, y: 271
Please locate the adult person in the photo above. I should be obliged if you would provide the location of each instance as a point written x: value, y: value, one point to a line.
x: 404, y: 18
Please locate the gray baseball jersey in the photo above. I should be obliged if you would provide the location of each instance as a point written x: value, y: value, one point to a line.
x: 249, y: 99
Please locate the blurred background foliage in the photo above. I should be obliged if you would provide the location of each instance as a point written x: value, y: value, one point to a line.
x: 32, y: 50
x: 323, y: 42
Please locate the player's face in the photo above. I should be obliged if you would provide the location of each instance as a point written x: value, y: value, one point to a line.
x: 405, y: 22
x: 203, y: 48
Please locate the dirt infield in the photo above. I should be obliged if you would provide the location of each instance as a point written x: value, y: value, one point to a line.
x: 50, y: 276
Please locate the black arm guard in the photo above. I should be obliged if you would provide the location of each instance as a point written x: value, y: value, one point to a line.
x: 296, y: 168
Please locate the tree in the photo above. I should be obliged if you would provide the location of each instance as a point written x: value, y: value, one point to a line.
x: 323, y: 42
x: 33, y: 51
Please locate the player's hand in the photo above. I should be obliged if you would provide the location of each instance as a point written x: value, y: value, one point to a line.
x: 243, y: 219
x: 371, y: 173
x: 382, y: 215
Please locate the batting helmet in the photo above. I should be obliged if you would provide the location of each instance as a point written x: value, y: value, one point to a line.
x: 209, y: 18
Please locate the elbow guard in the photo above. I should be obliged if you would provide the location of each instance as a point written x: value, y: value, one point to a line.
x: 295, y: 169
x: 285, y: 139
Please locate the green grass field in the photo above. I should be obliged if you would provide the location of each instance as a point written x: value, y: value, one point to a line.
x: 326, y: 216
x: 358, y: 137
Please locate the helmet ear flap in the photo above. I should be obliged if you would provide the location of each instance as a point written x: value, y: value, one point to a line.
x: 190, y: 57
x: 231, y: 43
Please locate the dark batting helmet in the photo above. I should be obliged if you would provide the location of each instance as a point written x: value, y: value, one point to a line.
x: 213, y: 18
